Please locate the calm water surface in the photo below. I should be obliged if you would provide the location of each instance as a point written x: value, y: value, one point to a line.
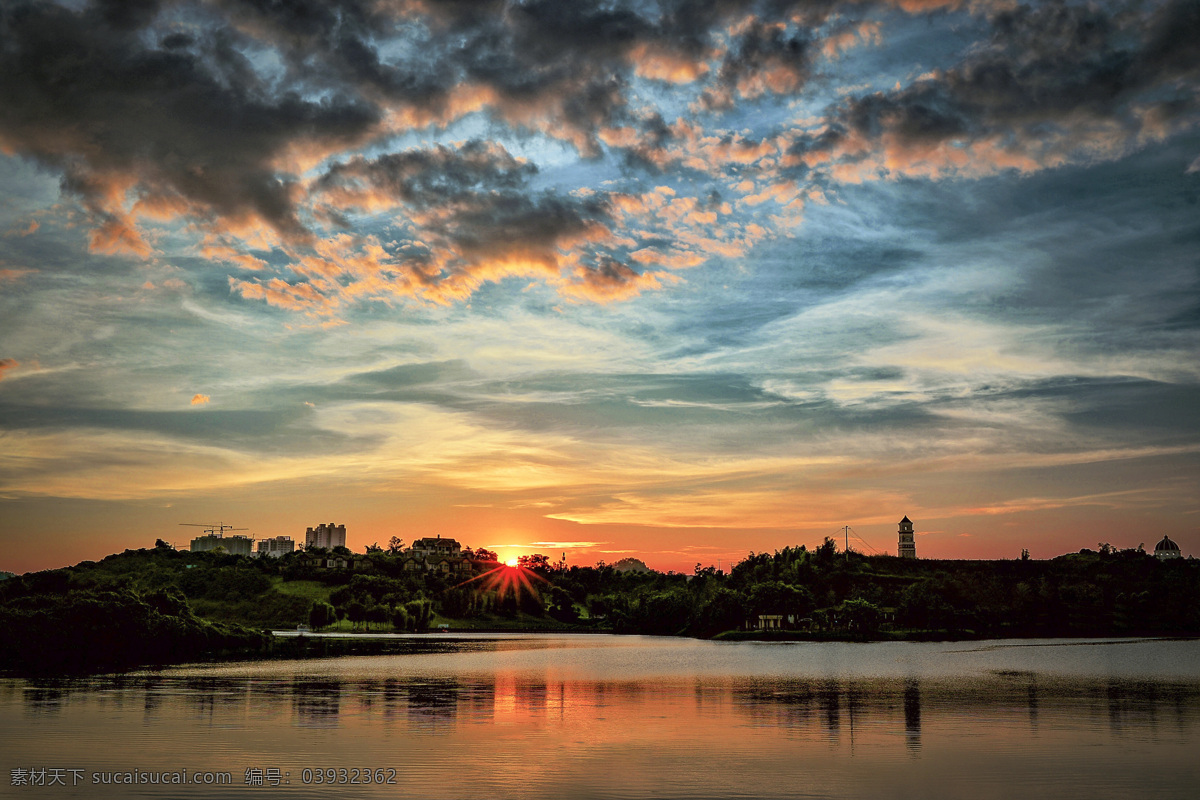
x: 631, y: 717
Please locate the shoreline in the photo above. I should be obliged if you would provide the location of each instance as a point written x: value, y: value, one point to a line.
x: 291, y: 645
x: 728, y: 636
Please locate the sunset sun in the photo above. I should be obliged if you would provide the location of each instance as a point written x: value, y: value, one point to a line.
x: 510, y: 562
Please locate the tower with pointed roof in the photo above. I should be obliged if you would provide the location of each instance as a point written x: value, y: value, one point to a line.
x: 908, y: 547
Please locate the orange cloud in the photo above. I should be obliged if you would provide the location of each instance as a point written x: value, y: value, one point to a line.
x: 27, y: 230
x: 657, y: 63
x: 118, y: 236
x: 840, y: 41
x: 223, y: 252
x: 624, y: 136
x: 784, y: 193
x: 897, y: 157
x: 612, y: 281
x: 200, y: 399
x: 777, y: 78
x: 676, y: 259
x: 162, y: 206
x: 464, y: 99
x: 12, y: 274
x: 278, y: 292
x: 6, y: 364
x: 925, y: 6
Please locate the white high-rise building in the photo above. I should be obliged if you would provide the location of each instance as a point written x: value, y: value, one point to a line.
x: 276, y: 547
x: 328, y: 536
x: 234, y: 545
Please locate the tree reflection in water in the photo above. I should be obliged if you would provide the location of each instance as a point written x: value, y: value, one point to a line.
x: 552, y: 733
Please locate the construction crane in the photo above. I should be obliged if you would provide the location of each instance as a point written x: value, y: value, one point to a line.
x: 213, y: 530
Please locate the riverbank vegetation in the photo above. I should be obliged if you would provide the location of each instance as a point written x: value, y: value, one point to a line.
x: 157, y: 605
x: 53, y: 628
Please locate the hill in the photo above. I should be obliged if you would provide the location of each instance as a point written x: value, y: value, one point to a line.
x: 158, y: 605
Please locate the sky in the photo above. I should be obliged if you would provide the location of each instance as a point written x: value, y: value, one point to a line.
x: 677, y: 281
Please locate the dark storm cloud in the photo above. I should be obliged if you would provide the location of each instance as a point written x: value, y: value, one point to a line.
x: 128, y: 14
x: 518, y: 220
x: 476, y: 195
x: 1052, y: 81
x: 336, y: 44
x: 184, y: 110
x: 1052, y: 59
x: 546, y: 40
x: 606, y: 279
x: 309, y: 22
x: 213, y: 112
x: 648, y: 152
x: 468, y: 216
x: 565, y: 65
x: 476, y: 215
x: 191, y: 126
x: 766, y: 57
x: 430, y: 177
x: 562, y: 64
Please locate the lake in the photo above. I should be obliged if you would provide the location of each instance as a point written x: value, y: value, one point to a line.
x: 588, y: 716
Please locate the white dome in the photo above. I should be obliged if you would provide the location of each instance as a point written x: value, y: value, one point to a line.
x: 1166, y: 549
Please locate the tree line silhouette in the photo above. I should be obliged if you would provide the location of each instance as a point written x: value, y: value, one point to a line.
x: 158, y: 606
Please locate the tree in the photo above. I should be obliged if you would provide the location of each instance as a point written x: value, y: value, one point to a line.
x: 168, y: 601
x: 826, y: 552
x: 457, y: 603
x: 419, y: 612
x: 320, y: 614
x: 929, y: 604
x: 376, y: 613
x: 374, y: 548
x: 506, y: 604
x: 562, y: 605
x: 531, y: 604
x: 776, y: 597
x: 534, y: 562
x: 401, y: 621
x: 665, y: 611
x: 724, y: 610
x: 600, y: 605
x: 484, y: 555
x: 356, y: 612
x: 859, y: 615
x: 395, y: 545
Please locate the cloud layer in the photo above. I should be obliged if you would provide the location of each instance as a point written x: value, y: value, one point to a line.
x: 251, y: 124
x: 710, y: 267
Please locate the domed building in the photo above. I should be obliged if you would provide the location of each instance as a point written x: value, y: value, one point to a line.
x: 1167, y: 549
